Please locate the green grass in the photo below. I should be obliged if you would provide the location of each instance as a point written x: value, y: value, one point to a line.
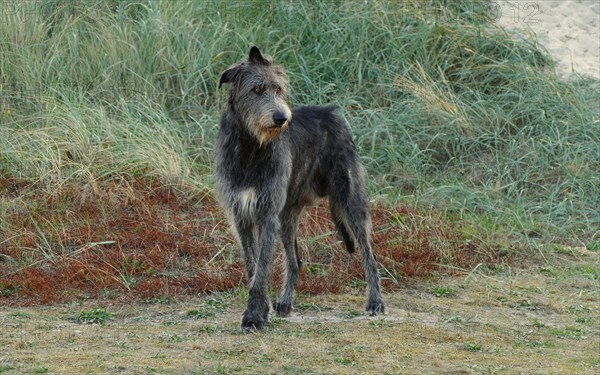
x: 94, y: 316
x: 541, y: 344
x: 447, y: 110
x: 569, y: 332
x: 5, y: 368
x: 208, y: 308
x: 442, y: 291
x: 472, y: 347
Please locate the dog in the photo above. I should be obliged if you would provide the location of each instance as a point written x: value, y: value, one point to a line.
x: 271, y: 162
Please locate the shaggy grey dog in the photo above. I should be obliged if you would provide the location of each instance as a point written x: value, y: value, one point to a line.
x: 271, y: 162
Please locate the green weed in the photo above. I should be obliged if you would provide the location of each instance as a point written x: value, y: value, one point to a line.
x: 541, y: 344
x: 442, y: 291
x: 6, y: 368
x: 472, y: 347
x: 569, y: 332
x: 207, y: 308
x: 94, y: 316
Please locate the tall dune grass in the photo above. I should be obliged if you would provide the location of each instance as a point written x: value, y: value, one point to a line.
x: 447, y: 110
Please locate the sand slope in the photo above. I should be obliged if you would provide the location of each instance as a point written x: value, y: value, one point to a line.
x: 570, y: 30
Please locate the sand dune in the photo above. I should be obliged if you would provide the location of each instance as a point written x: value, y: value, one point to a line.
x: 569, y: 30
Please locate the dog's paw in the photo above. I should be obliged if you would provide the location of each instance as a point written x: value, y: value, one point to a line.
x: 256, y: 315
x: 375, y: 307
x: 282, y: 309
x: 252, y: 322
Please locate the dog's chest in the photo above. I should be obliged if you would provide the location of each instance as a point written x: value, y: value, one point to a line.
x: 259, y: 198
x: 259, y: 184
x: 253, y: 180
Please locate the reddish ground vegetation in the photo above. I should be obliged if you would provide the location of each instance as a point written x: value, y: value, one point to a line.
x: 139, y: 239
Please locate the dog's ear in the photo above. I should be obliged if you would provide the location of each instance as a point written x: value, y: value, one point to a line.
x: 229, y: 74
x: 256, y: 57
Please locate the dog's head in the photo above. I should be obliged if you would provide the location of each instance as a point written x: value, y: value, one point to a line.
x: 258, y: 94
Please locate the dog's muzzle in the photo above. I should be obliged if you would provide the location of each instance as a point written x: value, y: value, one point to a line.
x: 279, y: 119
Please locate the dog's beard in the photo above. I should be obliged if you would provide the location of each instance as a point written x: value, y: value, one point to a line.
x: 263, y: 129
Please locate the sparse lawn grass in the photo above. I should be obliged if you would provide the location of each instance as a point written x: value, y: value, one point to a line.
x: 199, y: 314
x: 330, y: 333
x: 208, y: 308
x: 352, y: 313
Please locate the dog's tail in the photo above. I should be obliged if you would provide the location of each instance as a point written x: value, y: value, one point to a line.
x: 341, y: 228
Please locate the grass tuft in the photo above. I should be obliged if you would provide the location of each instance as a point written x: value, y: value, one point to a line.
x: 94, y: 316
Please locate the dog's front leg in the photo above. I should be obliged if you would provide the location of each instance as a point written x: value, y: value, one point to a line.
x: 257, y: 311
x: 246, y: 233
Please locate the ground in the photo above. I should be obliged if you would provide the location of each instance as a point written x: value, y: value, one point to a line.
x: 540, y: 316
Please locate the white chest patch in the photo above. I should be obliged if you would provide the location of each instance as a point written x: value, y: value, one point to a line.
x: 247, y: 202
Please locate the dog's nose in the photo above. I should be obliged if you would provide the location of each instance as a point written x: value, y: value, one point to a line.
x: 279, y: 118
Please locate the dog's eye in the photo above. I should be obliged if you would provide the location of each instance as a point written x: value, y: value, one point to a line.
x: 258, y: 89
x: 278, y: 90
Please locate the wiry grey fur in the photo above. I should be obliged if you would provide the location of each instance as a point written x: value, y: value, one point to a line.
x: 270, y: 162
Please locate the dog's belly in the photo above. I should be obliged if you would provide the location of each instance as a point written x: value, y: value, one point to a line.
x: 306, y: 199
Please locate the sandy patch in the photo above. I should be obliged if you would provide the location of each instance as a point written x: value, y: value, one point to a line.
x: 569, y: 30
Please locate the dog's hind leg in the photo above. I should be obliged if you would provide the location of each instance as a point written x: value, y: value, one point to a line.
x: 340, y: 226
x: 351, y: 204
x: 289, y: 228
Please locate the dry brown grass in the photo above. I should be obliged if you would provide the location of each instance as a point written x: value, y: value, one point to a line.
x: 137, y: 239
